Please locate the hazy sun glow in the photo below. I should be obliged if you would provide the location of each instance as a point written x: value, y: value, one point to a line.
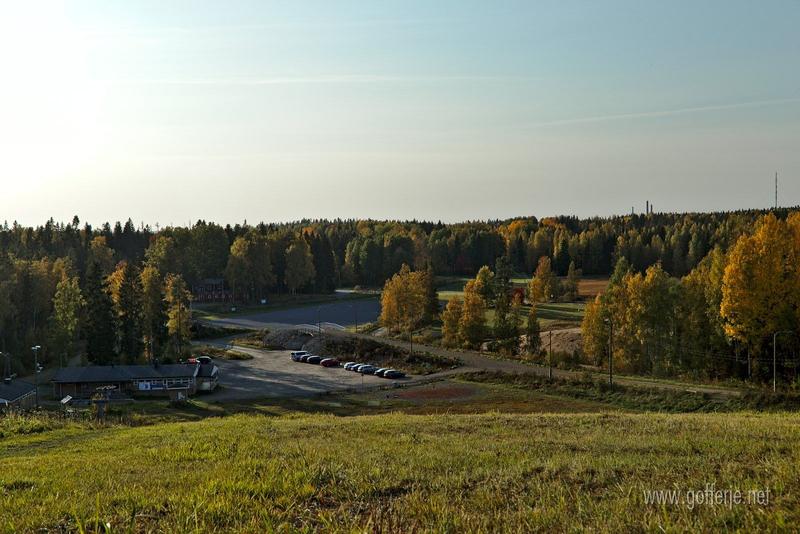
x: 50, y: 106
x: 170, y: 111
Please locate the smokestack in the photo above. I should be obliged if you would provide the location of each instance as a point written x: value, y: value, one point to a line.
x: 647, y: 207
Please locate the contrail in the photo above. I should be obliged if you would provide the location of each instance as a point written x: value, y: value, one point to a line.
x: 330, y: 79
x: 665, y: 112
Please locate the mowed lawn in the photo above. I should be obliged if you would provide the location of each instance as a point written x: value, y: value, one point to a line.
x: 397, y: 472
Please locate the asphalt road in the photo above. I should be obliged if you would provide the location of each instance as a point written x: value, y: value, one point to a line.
x: 344, y: 313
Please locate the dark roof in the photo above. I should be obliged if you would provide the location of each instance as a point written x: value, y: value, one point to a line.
x: 13, y: 390
x: 123, y: 373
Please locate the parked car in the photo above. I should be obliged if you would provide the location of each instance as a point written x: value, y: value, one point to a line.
x: 393, y: 374
x: 329, y: 362
x: 380, y: 371
x: 204, y: 360
x: 357, y: 367
x: 367, y: 369
x: 348, y: 366
x: 304, y: 358
x: 298, y: 354
x: 314, y: 359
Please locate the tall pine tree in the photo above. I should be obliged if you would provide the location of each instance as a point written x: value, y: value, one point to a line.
x: 100, y: 321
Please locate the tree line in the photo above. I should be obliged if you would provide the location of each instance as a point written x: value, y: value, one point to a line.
x: 84, y: 265
x: 720, y: 320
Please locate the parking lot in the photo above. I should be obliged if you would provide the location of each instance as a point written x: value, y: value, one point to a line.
x: 274, y: 374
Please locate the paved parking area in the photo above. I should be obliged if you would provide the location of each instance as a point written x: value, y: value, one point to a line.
x: 274, y: 374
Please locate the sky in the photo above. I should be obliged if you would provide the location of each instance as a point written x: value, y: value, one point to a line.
x: 168, y: 112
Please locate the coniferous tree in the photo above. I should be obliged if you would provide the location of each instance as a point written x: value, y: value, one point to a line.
x: 431, y: 295
x: 570, y: 285
x: 101, y: 331
x: 533, y: 340
x: 126, y: 293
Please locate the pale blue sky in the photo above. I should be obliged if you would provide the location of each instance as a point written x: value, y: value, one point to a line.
x: 169, y: 111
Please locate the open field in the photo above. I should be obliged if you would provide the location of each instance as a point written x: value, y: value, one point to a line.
x: 551, y: 315
x: 398, y: 472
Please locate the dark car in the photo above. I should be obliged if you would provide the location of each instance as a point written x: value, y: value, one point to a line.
x: 304, y: 358
x: 393, y: 374
x: 380, y: 371
x: 329, y: 362
x: 348, y: 366
x: 367, y: 369
x: 297, y: 355
x: 314, y: 360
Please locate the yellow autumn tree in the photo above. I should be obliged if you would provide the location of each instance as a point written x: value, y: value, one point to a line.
x: 472, y: 325
x: 544, y: 286
x: 404, y: 299
x: 759, y: 287
x: 451, y: 316
x: 595, y: 332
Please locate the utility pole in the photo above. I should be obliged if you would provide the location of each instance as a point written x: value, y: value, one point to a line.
x: 776, y: 189
x: 35, y: 350
x: 775, y: 358
x: 610, y: 353
x: 180, y: 326
x: 550, y: 358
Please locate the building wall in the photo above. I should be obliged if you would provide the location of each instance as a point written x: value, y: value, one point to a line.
x: 157, y: 388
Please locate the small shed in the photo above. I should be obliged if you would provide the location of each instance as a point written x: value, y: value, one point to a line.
x: 17, y: 394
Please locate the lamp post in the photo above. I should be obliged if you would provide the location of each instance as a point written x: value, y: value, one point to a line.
x: 610, y: 324
x: 550, y: 357
x: 36, y: 349
x: 355, y: 315
x: 319, y: 324
x: 775, y: 357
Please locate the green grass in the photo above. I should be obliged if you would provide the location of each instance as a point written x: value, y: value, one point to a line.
x: 638, y: 399
x: 396, y: 472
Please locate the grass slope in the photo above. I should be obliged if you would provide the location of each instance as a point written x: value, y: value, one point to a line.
x: 400, y: 473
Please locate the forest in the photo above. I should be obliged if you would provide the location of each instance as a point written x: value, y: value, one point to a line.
x: 123, y: 292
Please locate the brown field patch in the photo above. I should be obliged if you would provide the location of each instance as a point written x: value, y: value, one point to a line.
x: 589, y: 288
x: 439, y: 392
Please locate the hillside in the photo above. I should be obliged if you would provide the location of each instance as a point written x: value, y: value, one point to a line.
x: 400, y: 472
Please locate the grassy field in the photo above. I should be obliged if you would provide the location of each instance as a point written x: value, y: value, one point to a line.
x: 397, y: 472
x: 551, y: 315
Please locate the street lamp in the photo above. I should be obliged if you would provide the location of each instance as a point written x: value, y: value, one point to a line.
x: 36, y: 349
x: 355, y: 315
x: 775, y: 357
x: 319, y: 324
x: 610, y: 324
